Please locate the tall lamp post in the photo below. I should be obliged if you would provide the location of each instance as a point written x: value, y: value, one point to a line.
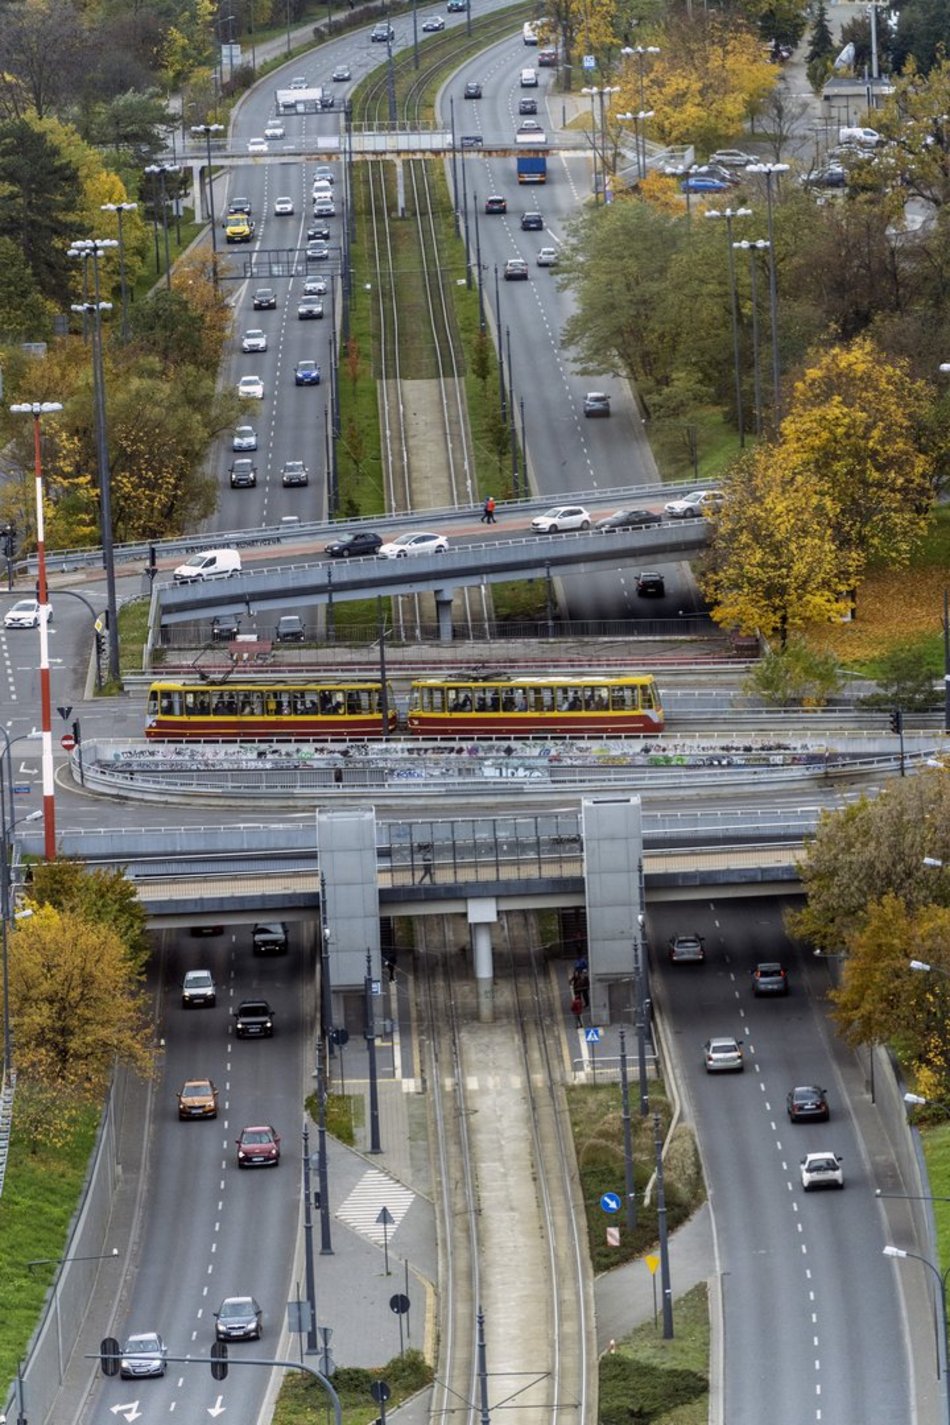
x: 600, y: 92
x: 753, y: 249
x: 208, y: 130
x: 728, y: 215
x: 941, y: 1278
x: 770, y: 171
x: 38, y: 409
x: 119, y: 209
x: 157, y: 172
x: 88, y: 250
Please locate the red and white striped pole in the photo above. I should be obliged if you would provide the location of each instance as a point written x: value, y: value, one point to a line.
x: 36, y: 409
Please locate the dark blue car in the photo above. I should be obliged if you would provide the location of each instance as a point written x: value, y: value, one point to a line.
x: 307, y: 373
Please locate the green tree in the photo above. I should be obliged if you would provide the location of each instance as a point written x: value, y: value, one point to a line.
x: 921, y: 39
x: 75, y: 1001
x: 797, y: 674
x: 905, y: 680
x: 24, y: 314
x: 102, y: 897
x: 873, y: 848
x: 820, y: 42
x: 39, y: 198
x: 44, y: 48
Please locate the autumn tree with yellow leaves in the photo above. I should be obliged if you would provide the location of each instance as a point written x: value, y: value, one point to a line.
x: 848, y: 482
x: 709, y: 75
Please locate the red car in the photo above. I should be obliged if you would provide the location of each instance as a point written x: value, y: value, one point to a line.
x: 258, y: 1147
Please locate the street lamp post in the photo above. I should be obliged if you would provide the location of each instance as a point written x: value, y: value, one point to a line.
x: 729, y: 215
x: 38, y: 409
x: 91, y: 248
x: 208, y: 130
x: 600, y: 92
x: 770, y: 171
x: 641, y: 52
x: 120, y: 209
x: 753, y: 249
x: 941, y: 1278
x: 157, y: 171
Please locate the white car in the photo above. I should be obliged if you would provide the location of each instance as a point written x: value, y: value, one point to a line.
x: 257, y: 146
x: 283, y: 207
x: 700, y: 502
x: 322, y: 188
x: 547, y: 257
x: 418, y: 542
x: 315, y: 287
x: 25, y: 613
x: 254, y: 340
x: 251, y: 388
x: 561, y: 517
x: 274, y: 131
x: 723, y: 1055
x: 821, y: 1170
x: 244, y: 438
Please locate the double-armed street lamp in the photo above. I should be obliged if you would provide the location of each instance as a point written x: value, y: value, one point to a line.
x: 90, y: 250
x: 728, y: 216
x: 770, y: 171
x: 602, y: 92
x: 119, y: 209
x: 157, y: 172
x: 208, y: 130
x: 753, y: 248
x: 639, y: 137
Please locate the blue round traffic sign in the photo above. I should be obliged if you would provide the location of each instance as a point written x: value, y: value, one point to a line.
x: 610, y: 1202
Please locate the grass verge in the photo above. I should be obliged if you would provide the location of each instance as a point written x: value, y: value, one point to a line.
x: 936, y: 1145
x: 301, y: 1398
x: 133, y: 631
x: 40, y: 1193
x: 663, y: 1382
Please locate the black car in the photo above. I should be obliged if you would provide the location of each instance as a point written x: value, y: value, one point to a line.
x: 650, y: 585
x: 381, y: 34
x: 293, y: 472
x: 770, y: 978
x: 807, y: 1104
x: 318, y: 232
x: 242, y: 474
x: 532, y: 223
x: 264, y: 299
x: 826, y: 178
x: 269, y: 937
x: 224, y: 629
x: 527, y: 106
x: 238, y: 1318
x: 361, y: 541
x: 457, y: 7
x: 472, y: 91
x: 254, y: 1019
x: 628, y: 519
x: 290, y: 629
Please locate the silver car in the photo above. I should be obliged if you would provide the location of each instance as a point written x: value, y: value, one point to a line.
x: 143, y: 1355
x: 723, y: 1056
x: 198, y: 988
x: 561, y: 517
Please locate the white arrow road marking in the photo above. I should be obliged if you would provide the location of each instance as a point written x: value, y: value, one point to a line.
x: 26, y: 771
x: 130, y: 1411
x: 217, y: 1408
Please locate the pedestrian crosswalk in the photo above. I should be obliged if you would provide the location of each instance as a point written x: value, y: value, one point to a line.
x: 373, y: 1192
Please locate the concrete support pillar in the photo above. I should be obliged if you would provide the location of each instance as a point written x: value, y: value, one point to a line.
x: 400, y: 188
x: 443, y: 609
x: 613, y: 852
x: 482, y: 915
x: 200, y: 192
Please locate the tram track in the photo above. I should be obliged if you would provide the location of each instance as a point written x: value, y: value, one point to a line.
x: 509, y: 1234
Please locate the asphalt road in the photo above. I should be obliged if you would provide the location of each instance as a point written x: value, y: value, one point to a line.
x: 212, y: 1230
x: 812, y: 1325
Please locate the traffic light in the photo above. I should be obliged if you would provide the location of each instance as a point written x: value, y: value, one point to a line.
x: 9, y: 538
x: 897, y: 721
x: 219, y: 1360
x: 77, y: 732
x: 110, y: 1356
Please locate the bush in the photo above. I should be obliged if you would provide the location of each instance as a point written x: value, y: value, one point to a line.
x: 636, y: 1392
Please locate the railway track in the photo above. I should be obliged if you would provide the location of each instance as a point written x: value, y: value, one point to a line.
x: 510, y: 1244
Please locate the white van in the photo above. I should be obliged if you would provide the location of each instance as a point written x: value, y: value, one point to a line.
x: 867, y: 138
x: 529, y: 79
x: 209, y: 564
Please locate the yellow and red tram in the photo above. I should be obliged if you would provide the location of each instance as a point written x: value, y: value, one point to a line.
x: 282, y: 709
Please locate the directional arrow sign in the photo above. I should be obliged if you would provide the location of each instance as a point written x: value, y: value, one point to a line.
x: 217, y: 1408
x: 610, y: 1202
x: 130, y: 1411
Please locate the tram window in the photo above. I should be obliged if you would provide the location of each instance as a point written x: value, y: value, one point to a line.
x: 299, y: 701
x: 508, y: 700
x: 647, y: 695
x: 168, y: 704
x: 435, y: 700
x: 493, y: 700
x: 619, y: 699
x: 230, y: 704
x: 219, y: 705
x: 354, y: 702
x: 601, y: 698
x: 544, y: 701
x: 463, y: 700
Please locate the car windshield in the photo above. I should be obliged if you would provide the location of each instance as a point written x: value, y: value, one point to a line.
x: 198, y: 977
x: 196, y: 1091
x: 256, y: 1135
x: 239, y: 1306
x: 139, y: 1344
